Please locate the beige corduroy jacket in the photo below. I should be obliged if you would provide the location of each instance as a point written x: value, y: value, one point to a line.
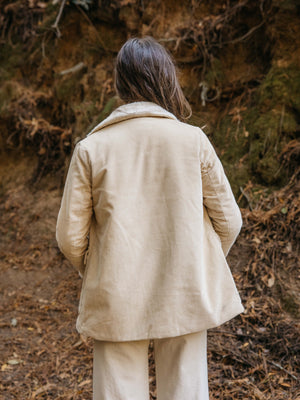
x: 147, y: 217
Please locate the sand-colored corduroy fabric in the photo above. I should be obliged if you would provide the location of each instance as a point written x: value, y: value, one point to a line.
x: 121, y: 369
x: 148, y: 216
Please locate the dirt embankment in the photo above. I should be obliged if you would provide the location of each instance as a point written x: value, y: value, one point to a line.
x: 240, y: 70
x: 238, y: 61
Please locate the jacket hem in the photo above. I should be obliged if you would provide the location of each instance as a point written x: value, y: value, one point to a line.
x: 154, y: 334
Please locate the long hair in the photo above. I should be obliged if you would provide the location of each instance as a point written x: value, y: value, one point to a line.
x: 145, y: 71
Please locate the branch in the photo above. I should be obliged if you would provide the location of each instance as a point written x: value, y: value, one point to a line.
x: 283, y: 369
x: 55, y: 25
x: 246, y: 197
x: 76, y: 68
x: 240, y: 39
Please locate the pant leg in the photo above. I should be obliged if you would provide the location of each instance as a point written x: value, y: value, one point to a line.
x: 181, y: 367
x: 120, y: 370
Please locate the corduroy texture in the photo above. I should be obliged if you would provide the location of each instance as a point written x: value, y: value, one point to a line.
x: 121, y: 369
x: 152, y: 195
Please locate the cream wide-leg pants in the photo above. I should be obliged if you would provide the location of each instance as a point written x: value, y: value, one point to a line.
x: 121, y: 369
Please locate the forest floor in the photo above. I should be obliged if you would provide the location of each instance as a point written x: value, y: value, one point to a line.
x: 253, y: 356
x: 243, y: 63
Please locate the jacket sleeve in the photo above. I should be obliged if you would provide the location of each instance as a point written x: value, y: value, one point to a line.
x: 74, y: 218
x: 218, y: 197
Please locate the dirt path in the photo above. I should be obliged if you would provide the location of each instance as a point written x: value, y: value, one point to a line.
x: 43, y: 357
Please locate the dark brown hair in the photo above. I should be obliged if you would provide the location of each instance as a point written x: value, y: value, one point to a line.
x: 146, y: 72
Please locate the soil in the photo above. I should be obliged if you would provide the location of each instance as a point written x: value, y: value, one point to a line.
x: 42, y: 354
x: 38, y: 293
x: 239, y: 68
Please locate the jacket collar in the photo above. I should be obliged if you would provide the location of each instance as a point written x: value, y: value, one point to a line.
x: 133, y: 110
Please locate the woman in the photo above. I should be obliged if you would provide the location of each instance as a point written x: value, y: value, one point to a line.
x: 148, y: 217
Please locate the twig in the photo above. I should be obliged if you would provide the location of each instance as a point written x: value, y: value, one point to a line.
x: 55, y: 25
x: 172, y: 39
x: 235, y: 334
x: 241, y: 38
x: 283, y: 369
x: 246, y: 197
x: 76, y: 68
x: 43, y: 389
x: 278, y: 366
x: 267, y: 375
x: 237, y: 357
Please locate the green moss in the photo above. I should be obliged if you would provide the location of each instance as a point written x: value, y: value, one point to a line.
x: 85, y: 112
x: 290, y: 5
x: 68, y: 88
x: 281, y: 86
x: 250, y: 140
x: 109, y: 106
x: 273, y: 122
x: 270, y: 128
x: 87, y: 115
x: 264, y: 147
x: 231, y: 139
x: 267, y: 122
x: 214, y: 75
x: 238, y: 175
x: 11, y: 58
x: 288, y: 122
x: 269, y: 168
x: 232, y: 142
x: 8, y: 92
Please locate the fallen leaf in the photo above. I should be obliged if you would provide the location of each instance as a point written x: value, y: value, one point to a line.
x: 43, y: 389
x: 14, y: 361
x: 4, y: 367
x: 86, y: 382
x: 256, y: 240
x: 271, y: 281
